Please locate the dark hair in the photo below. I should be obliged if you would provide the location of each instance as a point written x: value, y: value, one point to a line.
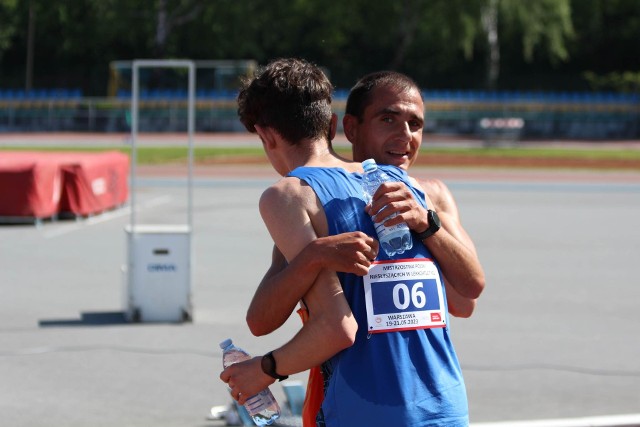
x: 292, y: 96
x: 360, y: 94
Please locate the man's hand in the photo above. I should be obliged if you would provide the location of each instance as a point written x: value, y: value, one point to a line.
x: 351, y: 252
x: 246, y: 379
x: 283, y: 286
x: 451, y: 247
x: 397, y: 198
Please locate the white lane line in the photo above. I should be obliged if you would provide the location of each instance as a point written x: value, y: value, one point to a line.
x: 602, y: 421
x: 106, y: 216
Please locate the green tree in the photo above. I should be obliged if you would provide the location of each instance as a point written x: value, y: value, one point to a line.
x: 441, y: 43
x: 540, y: 26
x: 606, y: 48
x: 171, y: 16
x: 8, y: 24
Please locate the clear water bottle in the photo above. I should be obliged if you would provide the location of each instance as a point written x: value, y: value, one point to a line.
x: 397, y: 238
x: 263, y: 407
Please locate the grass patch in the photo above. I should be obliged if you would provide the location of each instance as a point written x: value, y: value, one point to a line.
x: 156, y: 155
x: 165, y: 155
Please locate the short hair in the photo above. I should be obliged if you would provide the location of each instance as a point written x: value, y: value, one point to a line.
x: 361, y: 93
x: 292, y: 96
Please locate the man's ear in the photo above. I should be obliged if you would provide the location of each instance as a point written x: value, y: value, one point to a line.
x: 333, y: 127
x: 350, y: 127
x: 267, y: 136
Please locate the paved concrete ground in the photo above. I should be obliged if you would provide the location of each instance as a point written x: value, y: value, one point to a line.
x: 555, y: 334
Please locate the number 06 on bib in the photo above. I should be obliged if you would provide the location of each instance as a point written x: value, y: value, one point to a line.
x: 404, y: 294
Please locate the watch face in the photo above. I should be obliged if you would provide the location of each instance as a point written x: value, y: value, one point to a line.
x: 435, y: 218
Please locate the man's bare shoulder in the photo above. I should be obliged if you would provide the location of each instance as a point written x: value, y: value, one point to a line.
x: 286, y: 197
x: 434, y: 185
x: 438, y: 193
x: 286, y: 190
x: 286, y: 208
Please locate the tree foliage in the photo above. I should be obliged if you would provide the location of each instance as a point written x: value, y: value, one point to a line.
x: 8, y: 26
x: 533, y: 44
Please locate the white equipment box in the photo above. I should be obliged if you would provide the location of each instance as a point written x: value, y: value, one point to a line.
x: 158, y: 274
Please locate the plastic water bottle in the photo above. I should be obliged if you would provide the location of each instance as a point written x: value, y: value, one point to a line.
x: 263, y: 407
x: 397, y: 238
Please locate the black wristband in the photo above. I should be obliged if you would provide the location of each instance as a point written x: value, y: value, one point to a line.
x: 434, y: 225
x: 268, y: 365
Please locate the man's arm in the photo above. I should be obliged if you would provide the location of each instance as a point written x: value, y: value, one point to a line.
x: 451, y: 246
x: 294, y: 218
x: 443, y: 201
x: 457, y: 305
x: 330, y: 329
x: 284, y: 284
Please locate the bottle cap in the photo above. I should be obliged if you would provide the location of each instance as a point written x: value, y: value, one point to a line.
x: 369, y: 164
x: 226, y: 343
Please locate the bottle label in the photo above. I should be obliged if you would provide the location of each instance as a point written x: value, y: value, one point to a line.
x: 404, y: 294
x: 383, y: 231
x: 260, y: 402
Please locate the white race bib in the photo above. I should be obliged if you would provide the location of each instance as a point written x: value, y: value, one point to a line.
x: 404, y: 294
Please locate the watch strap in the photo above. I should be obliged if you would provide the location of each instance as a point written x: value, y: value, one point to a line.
x: 434, y: 226
x: 268, y: 365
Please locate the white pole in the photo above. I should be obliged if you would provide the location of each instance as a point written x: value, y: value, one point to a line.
x: 191, y: 130
x: 134, y: 138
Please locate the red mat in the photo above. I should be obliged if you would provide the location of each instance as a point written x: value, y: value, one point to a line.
x: 42, y: 184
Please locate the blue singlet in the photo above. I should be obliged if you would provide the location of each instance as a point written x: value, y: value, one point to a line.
x: 407, y: 378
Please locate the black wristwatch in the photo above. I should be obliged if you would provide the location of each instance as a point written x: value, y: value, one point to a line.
x: 434, y: 225
x: 269, y: 367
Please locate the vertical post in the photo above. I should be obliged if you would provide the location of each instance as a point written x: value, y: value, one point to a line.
x: 28, y: 84
x: 191, y: 129
x: 134, y: 137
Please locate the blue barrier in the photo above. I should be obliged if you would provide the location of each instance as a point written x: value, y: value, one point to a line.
x: 179, y: 94
x: 341, y: 95
x: 40, y: 94
x: 522, y: 96
x: 589, y: 115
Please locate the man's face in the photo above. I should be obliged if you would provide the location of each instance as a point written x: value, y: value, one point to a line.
x: 391, y: 129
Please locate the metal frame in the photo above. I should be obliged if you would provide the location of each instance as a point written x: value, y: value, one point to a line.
x: 135, y: 95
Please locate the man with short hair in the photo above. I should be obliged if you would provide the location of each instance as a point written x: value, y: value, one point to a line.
x: 406, y: 373
x: 384, y: 119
